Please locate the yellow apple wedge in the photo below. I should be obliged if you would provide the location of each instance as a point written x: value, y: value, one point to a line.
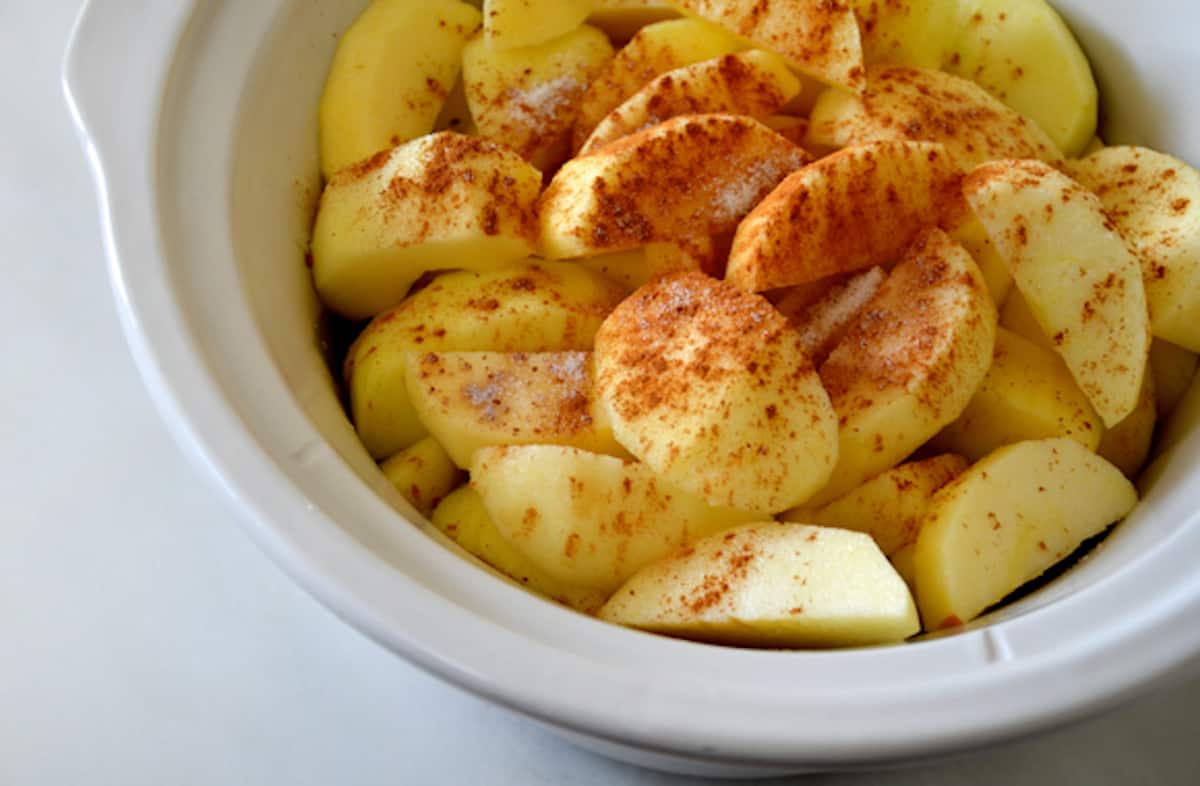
x: 888, y: 507
x: 710, y: 386
x: 917, y: 33
x: 527, y: 98
x: 820, y: 39
x: 771, y: 585
x: 753, y: 83
x: 925, y: 105
x: 639, y: 266
x: 1028, y: 393
x: 508, y: 24
x: 622, y: 19
x: 1006, y: 520
x: 1023, y: 53
x: 910, y: 363
x: 1076, y: 272
x: 471, y: 400
x: 1155, y: 201
x: 423, y: 474
x: 587, y: 520
x: 823, y: 323
x: 1127, y: 445
x: 523, y: 308
x: 462, y: 518
x: 655, y: 50
x: 860, y: 207
x: 660, y: 185
x: 390, y: 77
x: 442, y: 201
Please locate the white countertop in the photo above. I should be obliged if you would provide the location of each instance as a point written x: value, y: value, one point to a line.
x: 147, y: 641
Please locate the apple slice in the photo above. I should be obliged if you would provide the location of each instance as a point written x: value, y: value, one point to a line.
x: 917, y: 33
x: 1023, y: 53
x: 527, y: 98
x: 771, y: 585
x: 1127, y: 445
x: 587, y: 520
x: 509, y: 24
x: 622, y: 19
x: 753, y: 83
x: 710, y: 387
x: 910, y: 363
x: 1006, y: 520
x: 923, y: 105
x: 857, y: 208
x: 888, y: 507
x: 390, y: 77
x: 1076, y: 272
x: 1155, y: 201
x: 820, y: 39
x: 462, y: 518
x: 655, y: 50
x: 640, y: 266
x: 442, y: 201
x: 1028, y: 393
x: 823, y: 323
x: 423, y: 474
x: 660, y: 185
x: 471, y: 400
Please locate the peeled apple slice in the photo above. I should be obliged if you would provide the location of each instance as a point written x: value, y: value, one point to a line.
x: 1007, y: 519
x: 392, y: 72
x: 771, y: 585
x: 1023, y: 53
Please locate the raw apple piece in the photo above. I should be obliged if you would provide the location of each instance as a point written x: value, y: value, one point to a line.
x: 1075, y: 271
x: 710, y: 386
x: 1022, y: 52
x: 509, y: 24
x: 1155, y: 201
x: 910, y: 363
x: 528, y: 98
x: 622, y: 19
x: 1127, y: 445
x: 923, y: 105
x: 753, y: 83
x: 655, y: 50
x: 1173, y: 368
x: 470, y: 400
x: 660, y: 185
x: 1028, y: 393
x: 423, y: 474
x: 588, y: 520
x: 1018, y: 317
x: 462, y: 518
x: 1007, y: 519
x: 390, y: 76
x: 971, y: 235
x: 917, y: 33
x: 888, y: 507
x: 817, y: 38
x: 524, y: 308
x: 771, y: 585
x: 857, y: 208
x: 441, y: 201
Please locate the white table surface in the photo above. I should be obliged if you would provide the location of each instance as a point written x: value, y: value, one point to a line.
x: 145, y: 640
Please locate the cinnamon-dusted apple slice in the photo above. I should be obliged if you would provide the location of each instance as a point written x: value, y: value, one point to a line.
x: 820, y: 39
x: 753, y: 83
x: 771, y: 585
x: 1155, y: 201
x: 639, y: 266
x: 860, y: 207
x: 509, y: 24
x: 910, y: 363
x: 907, y: 32
x: 1076, y: 272
x: 711, y: 388
x: 661, y: 185
x: 655, y: 50
x: 924, y: 105
x: 528, y: 98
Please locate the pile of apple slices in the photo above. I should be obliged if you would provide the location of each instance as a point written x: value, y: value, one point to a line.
x: 765, y: 323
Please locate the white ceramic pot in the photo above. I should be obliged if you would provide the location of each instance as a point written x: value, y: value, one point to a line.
x: 200, y: 122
